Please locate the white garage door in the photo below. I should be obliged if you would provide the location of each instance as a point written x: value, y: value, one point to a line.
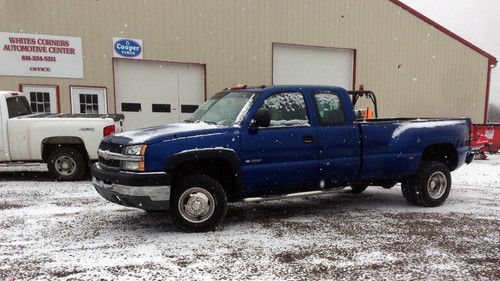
x: 294, y: 65
x: 156, y: 93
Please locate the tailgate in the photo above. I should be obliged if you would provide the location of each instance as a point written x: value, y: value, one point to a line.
x: 118, y: 120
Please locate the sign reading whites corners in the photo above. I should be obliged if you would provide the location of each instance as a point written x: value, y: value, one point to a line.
x: 40, y: 55
x: 127, y: 48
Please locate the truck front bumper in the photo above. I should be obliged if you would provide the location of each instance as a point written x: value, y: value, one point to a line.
x: 147, y: 191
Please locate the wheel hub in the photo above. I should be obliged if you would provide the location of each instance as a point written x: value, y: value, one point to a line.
x: 437, y: 184
x: 65, y: 165
x: 196, y: 205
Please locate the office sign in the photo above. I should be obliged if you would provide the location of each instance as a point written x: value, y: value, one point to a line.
x: 40, y: 55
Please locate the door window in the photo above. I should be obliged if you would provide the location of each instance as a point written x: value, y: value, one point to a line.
x: 40, y: 102
x: 329, y: 108
x: 89, y: 104
x: 287, y: 110
x: 88, y: 100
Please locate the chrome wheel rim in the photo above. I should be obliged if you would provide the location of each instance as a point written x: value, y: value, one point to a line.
x: 196, y: 205
x: 65, y: 165
x: 436, y: 185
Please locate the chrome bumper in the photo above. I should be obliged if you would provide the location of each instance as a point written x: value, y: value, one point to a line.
x: 155, y: 193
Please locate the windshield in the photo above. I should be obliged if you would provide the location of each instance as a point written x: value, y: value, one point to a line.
x: 224, y: 108
x: 18, y: 106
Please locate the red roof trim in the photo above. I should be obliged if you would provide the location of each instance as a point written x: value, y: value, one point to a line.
x: 491, y: 58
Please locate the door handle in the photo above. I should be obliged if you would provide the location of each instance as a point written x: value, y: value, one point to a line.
x: 309, y: 139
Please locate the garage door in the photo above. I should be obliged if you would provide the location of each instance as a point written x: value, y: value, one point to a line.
x: 156, y: 93
x: 312, y: 65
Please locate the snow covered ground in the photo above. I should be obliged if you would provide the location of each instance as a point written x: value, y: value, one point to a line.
x: 59, y: 230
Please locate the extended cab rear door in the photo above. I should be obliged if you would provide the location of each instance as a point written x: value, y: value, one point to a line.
x: 338, y: 137
x: 283, y: 156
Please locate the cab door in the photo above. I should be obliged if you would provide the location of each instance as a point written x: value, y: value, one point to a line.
x: 338, y: 139
x: 282, y: 157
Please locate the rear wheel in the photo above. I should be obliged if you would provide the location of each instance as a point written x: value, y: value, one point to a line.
x: 67, y: 164
x: 358, y: 187
x: 198, y: 203
x: 408, y: 189
x: 430, y: 186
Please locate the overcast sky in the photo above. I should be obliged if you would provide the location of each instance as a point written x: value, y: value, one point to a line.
x: 478, y: 21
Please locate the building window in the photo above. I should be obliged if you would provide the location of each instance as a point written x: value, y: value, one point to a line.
x: 40, y: 102
x: 188, y: 108
x: 89, y: 104
x: 161, y: 107
x: 130, y: 106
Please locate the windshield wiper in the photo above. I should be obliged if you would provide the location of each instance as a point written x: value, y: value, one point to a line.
x: 208, y: 122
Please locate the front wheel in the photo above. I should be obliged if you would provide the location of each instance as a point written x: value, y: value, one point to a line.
x: 430, y: 186
x: 198, y: 203
x: 67, y: 164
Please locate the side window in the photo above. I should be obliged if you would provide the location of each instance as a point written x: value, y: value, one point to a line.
x: 287, y: 110
x: 330, y: 111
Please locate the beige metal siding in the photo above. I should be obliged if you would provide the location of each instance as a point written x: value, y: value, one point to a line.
x: 415, y: 69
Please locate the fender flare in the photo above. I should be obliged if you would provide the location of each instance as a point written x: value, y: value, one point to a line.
x: 225, y: 154
x: 62, y: 140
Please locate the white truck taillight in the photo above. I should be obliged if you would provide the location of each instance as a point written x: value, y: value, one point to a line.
x: 108, y: 130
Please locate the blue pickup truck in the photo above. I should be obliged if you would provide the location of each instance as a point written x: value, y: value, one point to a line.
x: 249, y: 144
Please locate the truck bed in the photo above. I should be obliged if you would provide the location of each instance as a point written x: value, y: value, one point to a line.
x: 115, y: 117
x: 397, y: 144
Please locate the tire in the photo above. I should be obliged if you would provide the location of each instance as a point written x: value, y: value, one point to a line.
x: 358, y: 187
x: 155, y: 212
x: 408, y: 190
x: 389, y: 185
x: 67, y: 164
x: 204, y: 189
x: 429, y: 187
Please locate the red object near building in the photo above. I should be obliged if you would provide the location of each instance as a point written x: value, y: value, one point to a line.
x: 491, y: 133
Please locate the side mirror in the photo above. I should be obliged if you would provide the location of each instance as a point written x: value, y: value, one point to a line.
x: 262, y: 119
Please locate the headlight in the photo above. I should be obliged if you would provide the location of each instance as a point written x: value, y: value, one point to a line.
x: 134, y: 164
x: 138, y: 150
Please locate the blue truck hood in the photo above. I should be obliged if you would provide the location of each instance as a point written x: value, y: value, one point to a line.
x: 163, y: 132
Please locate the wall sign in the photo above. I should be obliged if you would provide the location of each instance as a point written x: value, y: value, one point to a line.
x: 127, y: 48
x: 40, y: 55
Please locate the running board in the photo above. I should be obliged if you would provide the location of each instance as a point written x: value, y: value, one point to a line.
x: 291, y: 195
x: 20, y: 164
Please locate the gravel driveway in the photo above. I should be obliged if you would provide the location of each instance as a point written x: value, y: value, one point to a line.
x: 59, y: 230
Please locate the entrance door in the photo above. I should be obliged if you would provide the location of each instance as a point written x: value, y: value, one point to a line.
x: 294, y: 65
x: 43, y: 99
x: 88, y: 100
x: 156, y: 93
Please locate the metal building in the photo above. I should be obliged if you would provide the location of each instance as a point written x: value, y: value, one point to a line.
x: 157, y: 60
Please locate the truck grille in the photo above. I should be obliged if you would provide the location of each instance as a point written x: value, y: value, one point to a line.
x: 111, y: 147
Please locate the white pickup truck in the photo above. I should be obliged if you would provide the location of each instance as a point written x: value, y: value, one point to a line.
x: 67, y: 143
